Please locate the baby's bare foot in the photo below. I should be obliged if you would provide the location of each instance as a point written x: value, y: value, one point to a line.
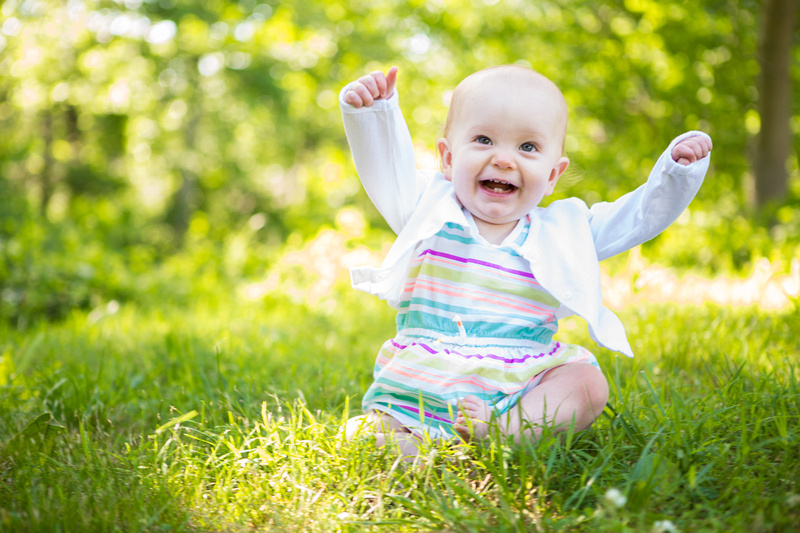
x: 473, y: 418
x: 405, y: 444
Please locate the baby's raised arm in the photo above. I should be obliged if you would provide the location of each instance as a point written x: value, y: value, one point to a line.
x: 381, y: 146
x: 690, y: 150
x: 371, y: 87
x: 645, y: 212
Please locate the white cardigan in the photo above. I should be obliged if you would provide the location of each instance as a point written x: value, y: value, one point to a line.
x: 566, y: 241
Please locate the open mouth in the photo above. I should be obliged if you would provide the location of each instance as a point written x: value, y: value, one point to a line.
x: 498, y: 186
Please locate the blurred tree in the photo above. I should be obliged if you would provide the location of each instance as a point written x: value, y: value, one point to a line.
x: 774, y: 141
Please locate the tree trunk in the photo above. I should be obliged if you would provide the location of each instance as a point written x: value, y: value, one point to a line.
x: 775, y: 101
x: 183, y: 208
x: 46, y: 175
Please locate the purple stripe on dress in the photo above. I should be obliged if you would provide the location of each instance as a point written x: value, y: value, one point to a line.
x: 478, y: 356
x: 426, y: 347
x: 425, y: 413
x: 477, y: 262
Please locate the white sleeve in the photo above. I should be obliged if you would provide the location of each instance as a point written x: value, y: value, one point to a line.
x: 384, y: 157
x: 642, y: 214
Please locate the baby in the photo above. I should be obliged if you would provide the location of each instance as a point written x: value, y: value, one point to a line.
x: 480, y: 273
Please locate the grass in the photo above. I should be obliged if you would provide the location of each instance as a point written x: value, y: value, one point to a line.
x: 225, y: 418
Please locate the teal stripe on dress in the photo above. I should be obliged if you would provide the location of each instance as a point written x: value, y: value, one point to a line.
x: 463, y: 239
x: 426, y: 304
x: 456, y: 232
x: 445, y: 325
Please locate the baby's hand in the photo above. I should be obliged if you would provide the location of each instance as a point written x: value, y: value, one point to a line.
x: 371, y: 87
x: 690, y: 150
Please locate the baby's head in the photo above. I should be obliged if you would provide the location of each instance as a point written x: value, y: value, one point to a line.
x: 506, y: 81
x: 503, y: 144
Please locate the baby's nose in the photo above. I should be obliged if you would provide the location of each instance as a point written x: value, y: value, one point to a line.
x: 503, y: 159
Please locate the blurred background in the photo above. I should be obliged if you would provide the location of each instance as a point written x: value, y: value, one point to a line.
x: 159, y: 151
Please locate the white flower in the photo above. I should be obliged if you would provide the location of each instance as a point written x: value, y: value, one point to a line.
x: 664, y: 526
x: 615, y: 498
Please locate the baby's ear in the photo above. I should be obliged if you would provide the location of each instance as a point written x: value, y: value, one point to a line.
x: 558, y: 169
x: 445, y: 158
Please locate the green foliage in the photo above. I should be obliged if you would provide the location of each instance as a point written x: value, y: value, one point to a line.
x: 722, y: 241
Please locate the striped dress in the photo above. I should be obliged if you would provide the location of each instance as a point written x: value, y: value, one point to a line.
x: 472, y: 320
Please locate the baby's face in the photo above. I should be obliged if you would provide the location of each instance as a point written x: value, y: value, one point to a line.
x: 503, y: 152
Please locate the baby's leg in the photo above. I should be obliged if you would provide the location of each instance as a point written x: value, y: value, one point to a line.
x: 569, y: 392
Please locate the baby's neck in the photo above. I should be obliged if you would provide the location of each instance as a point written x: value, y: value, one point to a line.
x: 495, y: 233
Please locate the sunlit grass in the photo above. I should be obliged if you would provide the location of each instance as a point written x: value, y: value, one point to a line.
x: 226, y: 417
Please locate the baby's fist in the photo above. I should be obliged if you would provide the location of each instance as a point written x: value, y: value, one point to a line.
x: 375, y: 86
x: 690, y: 150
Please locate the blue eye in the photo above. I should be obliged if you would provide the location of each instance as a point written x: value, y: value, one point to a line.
x: 483, y: 139
x: 527, y: 147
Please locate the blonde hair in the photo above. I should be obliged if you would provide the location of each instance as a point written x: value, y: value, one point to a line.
x: 511, y: 74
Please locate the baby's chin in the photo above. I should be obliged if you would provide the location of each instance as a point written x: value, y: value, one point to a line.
x: 497, y: 212
x: 497, y: 222
x: 500, y: 217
